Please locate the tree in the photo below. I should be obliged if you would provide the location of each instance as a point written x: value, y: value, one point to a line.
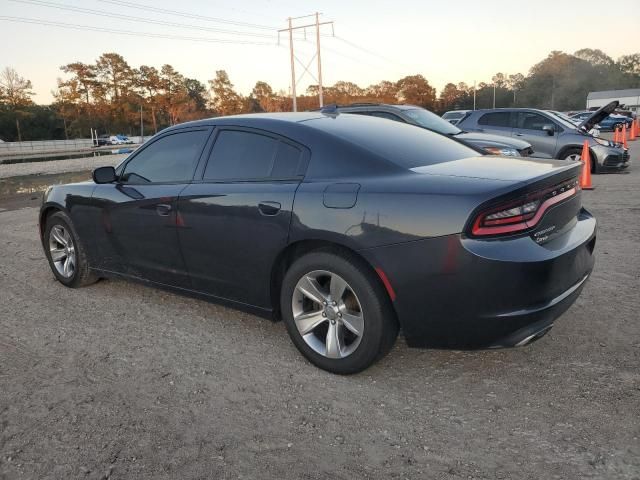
x: 15, y: 93
x: 174, y: 95
x: 451, y: 97
x: 148, y: 80
x: 264, y: 97
x: 499, y: 80
x: 225, y: 100
x: 384, y: 92
x: 84, y: 77
x: 415, y: 89
x: 115, y: 73
x: 594, y: 57
x: 630, y: 64
x: 197, y: 93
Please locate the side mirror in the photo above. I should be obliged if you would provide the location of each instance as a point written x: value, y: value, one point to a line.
x: 549, y: 129
x: 104, y: 175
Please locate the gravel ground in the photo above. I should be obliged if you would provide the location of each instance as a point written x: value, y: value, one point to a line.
x: 59, y: 166
x: 122, y: 381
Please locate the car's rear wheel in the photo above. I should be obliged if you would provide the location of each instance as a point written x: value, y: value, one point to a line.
x: 67, y: 256
x: 336, y: 312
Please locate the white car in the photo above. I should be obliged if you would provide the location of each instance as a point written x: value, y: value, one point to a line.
x: 454, y: 116
x: 115, y: 140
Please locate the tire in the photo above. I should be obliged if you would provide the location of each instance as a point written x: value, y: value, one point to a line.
x: 363, y: 306
x: 578, y: 151
x: 571, y: 152
x: 58, y: 230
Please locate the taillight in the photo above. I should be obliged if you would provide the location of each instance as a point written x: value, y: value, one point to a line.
x: 522, y: 214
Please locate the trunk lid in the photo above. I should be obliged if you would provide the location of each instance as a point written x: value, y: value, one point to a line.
x: 507, y: 169
x: 513, y: 181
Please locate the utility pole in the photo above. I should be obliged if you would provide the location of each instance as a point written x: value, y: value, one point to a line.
x: 494, y: 94
x: 319, y: 60
x: 293, y: 69
x: 317, y: 24
x: 141, y: 126
x: 474, y: 94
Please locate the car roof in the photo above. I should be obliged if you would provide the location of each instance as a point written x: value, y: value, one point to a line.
x: 403, y: 106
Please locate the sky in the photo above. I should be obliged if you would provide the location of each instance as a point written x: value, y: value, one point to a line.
x: 462, y: 40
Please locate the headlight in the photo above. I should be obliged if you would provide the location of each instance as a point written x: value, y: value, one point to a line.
x: 505, y: 151
x: 604, y: 142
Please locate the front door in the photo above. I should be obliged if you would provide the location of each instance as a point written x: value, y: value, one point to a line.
x: 529, y: 127
x: 235, y: 221
x: 138, y: 218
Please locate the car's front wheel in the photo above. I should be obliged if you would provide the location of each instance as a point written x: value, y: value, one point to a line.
x: 67, y: 256
x: 336, y: 312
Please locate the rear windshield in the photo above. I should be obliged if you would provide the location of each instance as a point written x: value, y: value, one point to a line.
x: 405, y: 145
x: 453, y: 115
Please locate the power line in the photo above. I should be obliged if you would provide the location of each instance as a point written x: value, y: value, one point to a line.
x: 140, y: 19
x: 149, y: 8
x: 74, y: 26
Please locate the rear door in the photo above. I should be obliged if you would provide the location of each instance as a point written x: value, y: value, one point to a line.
x: 138, y: 218
x: 529, y: 127
x: 234, y: 220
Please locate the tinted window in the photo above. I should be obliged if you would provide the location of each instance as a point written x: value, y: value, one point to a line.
x: 241, y: 155
x: 400, y: 143
x: 387, y: 116
x: 532, y: 121
x: 495, y: 119
x: 287, y: 161
x: 169, y: 159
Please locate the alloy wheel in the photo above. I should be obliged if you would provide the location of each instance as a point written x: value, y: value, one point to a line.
x: 575, y: 157
x: 62, y: 251
x: 328, y: 314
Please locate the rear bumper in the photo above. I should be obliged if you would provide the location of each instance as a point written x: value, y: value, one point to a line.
x: 456, y: 292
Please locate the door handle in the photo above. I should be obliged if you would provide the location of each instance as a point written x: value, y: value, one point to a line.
x: 519, y: 134
x: 163, y: 209
x: 269, y: 208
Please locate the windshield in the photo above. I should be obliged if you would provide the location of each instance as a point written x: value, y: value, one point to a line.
x: 429, y: 120
x: 563, y: 120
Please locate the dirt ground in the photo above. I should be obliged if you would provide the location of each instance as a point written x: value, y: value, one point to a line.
x: 125, y: 382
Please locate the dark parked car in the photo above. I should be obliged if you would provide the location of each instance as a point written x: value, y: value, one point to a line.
x: 347, y: 227
x: 550, y: 135
x: 420, y: 117
x: 610, y: 122
x: 103, y: 140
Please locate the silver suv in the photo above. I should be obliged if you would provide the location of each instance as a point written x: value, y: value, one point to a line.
x: 413, y: 115
x: 550, y: 135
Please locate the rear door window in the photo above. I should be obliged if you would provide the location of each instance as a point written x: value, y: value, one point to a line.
x: 243, y: 155
x: 496, y: 119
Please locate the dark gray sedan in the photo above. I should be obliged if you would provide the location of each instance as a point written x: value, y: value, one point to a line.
x: 346, y: 227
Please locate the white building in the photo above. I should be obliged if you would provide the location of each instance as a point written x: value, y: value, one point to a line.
x: 629, y: 98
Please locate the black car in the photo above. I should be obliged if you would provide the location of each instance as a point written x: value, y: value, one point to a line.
x: 347, y: 227
x: 103, y: 140
x: 420, y: 117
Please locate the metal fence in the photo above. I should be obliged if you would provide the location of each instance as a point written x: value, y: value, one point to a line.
x: 52, y: 146
x: 43, y: 146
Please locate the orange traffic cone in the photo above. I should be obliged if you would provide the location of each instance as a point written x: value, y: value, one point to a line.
x: 624, y: 136
x: 615, y: 135
x: 633, y: 134
x: 585, y: 176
